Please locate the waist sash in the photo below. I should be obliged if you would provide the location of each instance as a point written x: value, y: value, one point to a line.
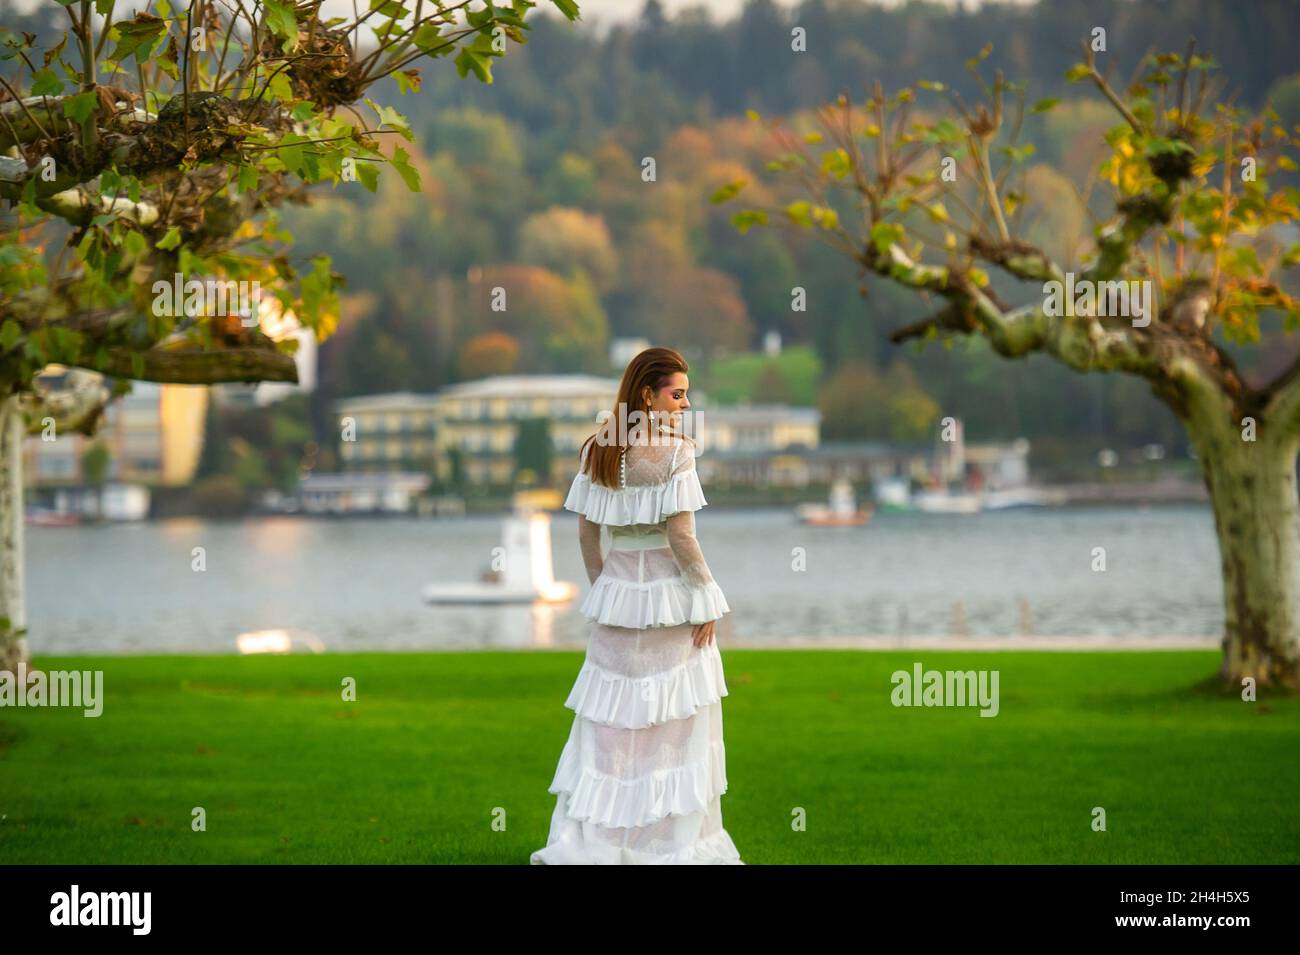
x: 638, y: 541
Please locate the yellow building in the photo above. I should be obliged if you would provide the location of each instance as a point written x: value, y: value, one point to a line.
x: 479, y: 420
x: 388, y: 432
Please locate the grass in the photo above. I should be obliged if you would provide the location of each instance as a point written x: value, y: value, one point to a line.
x: 437, y: 745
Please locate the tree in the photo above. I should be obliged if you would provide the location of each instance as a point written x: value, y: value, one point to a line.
x: 558, y: 323
x: 534, y: 450
x: 858, y: 403
x: 159, y: 159
x: 565, y: 240
x: 1194, y: 223
x: 495, y: 353
x: 95, y: 465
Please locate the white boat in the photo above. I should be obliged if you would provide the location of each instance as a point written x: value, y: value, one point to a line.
x: 842, y: 511
x: 1026, y: 496
x: 943, y: 501
x: 893, y: 494
x: 526, y: 575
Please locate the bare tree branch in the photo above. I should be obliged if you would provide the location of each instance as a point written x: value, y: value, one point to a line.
x: 194, y: 367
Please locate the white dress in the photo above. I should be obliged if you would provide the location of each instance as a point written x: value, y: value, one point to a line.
x: 641, y: 777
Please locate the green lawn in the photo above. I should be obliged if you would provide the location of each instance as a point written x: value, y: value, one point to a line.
x: 415, y: 769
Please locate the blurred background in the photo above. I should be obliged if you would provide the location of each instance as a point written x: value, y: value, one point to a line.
x: 428, y: 422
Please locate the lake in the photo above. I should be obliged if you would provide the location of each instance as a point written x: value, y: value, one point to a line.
x: 355, y: 584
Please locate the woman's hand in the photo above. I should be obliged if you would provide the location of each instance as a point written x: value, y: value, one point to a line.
x: 702, y: 635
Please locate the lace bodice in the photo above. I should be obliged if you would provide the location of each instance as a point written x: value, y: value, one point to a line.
x: 655, y: 573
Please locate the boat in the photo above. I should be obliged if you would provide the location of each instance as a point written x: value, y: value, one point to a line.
x: 44, y: 517
x: 893, y: 494
x: 943, y: 501
x: 1026, y: 496
x: 527, y: 574
x: 842, y: 510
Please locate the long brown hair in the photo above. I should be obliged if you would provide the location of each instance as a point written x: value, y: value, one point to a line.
x: 651, y: 369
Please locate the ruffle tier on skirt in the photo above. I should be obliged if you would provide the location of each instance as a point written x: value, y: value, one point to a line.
x: 641, y: 776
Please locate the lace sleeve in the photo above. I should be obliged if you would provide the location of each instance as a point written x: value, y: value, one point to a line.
x: 589, y: 542
x: 686, y: 550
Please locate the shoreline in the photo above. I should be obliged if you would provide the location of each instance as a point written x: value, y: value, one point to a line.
x: 1106, y: 643
x: 864, y: 643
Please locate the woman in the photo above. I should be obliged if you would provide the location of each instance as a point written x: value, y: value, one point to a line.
x: 641, y: 777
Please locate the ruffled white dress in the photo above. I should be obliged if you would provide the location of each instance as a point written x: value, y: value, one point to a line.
x: 641, y: 777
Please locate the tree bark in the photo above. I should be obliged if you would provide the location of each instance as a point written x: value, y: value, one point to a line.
x: 1252, y: 487
x: 13, y: 645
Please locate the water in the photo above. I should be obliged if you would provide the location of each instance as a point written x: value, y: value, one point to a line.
x: 355, y: 584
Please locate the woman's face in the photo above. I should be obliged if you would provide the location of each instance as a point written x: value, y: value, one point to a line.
x: 671, y: 399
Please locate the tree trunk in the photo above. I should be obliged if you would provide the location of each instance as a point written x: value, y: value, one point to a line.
x: 13, y: 645
x: 1252, y: 486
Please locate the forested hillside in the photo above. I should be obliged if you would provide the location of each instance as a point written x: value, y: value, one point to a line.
x: 536, y: 184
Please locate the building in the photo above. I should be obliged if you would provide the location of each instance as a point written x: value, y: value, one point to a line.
x: 396, y: 431
x: 754, y: 444
x: 477, y: 420
x: 481, y: 420
x: 623, y: 350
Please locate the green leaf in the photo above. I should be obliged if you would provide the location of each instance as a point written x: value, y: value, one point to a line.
x: 944, y: 131
x: 407, y: 81
x: 134, y: 244
x: 320, y: 301
x: 35, y: 348
x: 368, y: 174
x: 10, y: 332
x: 401, y: 162
x: 429, y: 38
x: 282, y: 22
x: 1079, y: 71
x: 885, y: 234
x: 79, y: 107
x: 746, y: 218
x: 837, y: 162
x: 278, y: 86
x: 979, y: 57
x: 484, y: 44
x: 137, y: 37
x: 166, y: 60
x: 391, y: 117
x: 467, y: 60
x: 727, y: 192
x: 171, y: 240
x: 289, y: 152
x: 46, y: 83
x: 1043, y: 105
x: 388, y: 8
x: 1018, y: 153
x: 800, y: 213
x: 825, y: 217
x: 937, y: 212
x: 247, y: 178
x: 568, y: 7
